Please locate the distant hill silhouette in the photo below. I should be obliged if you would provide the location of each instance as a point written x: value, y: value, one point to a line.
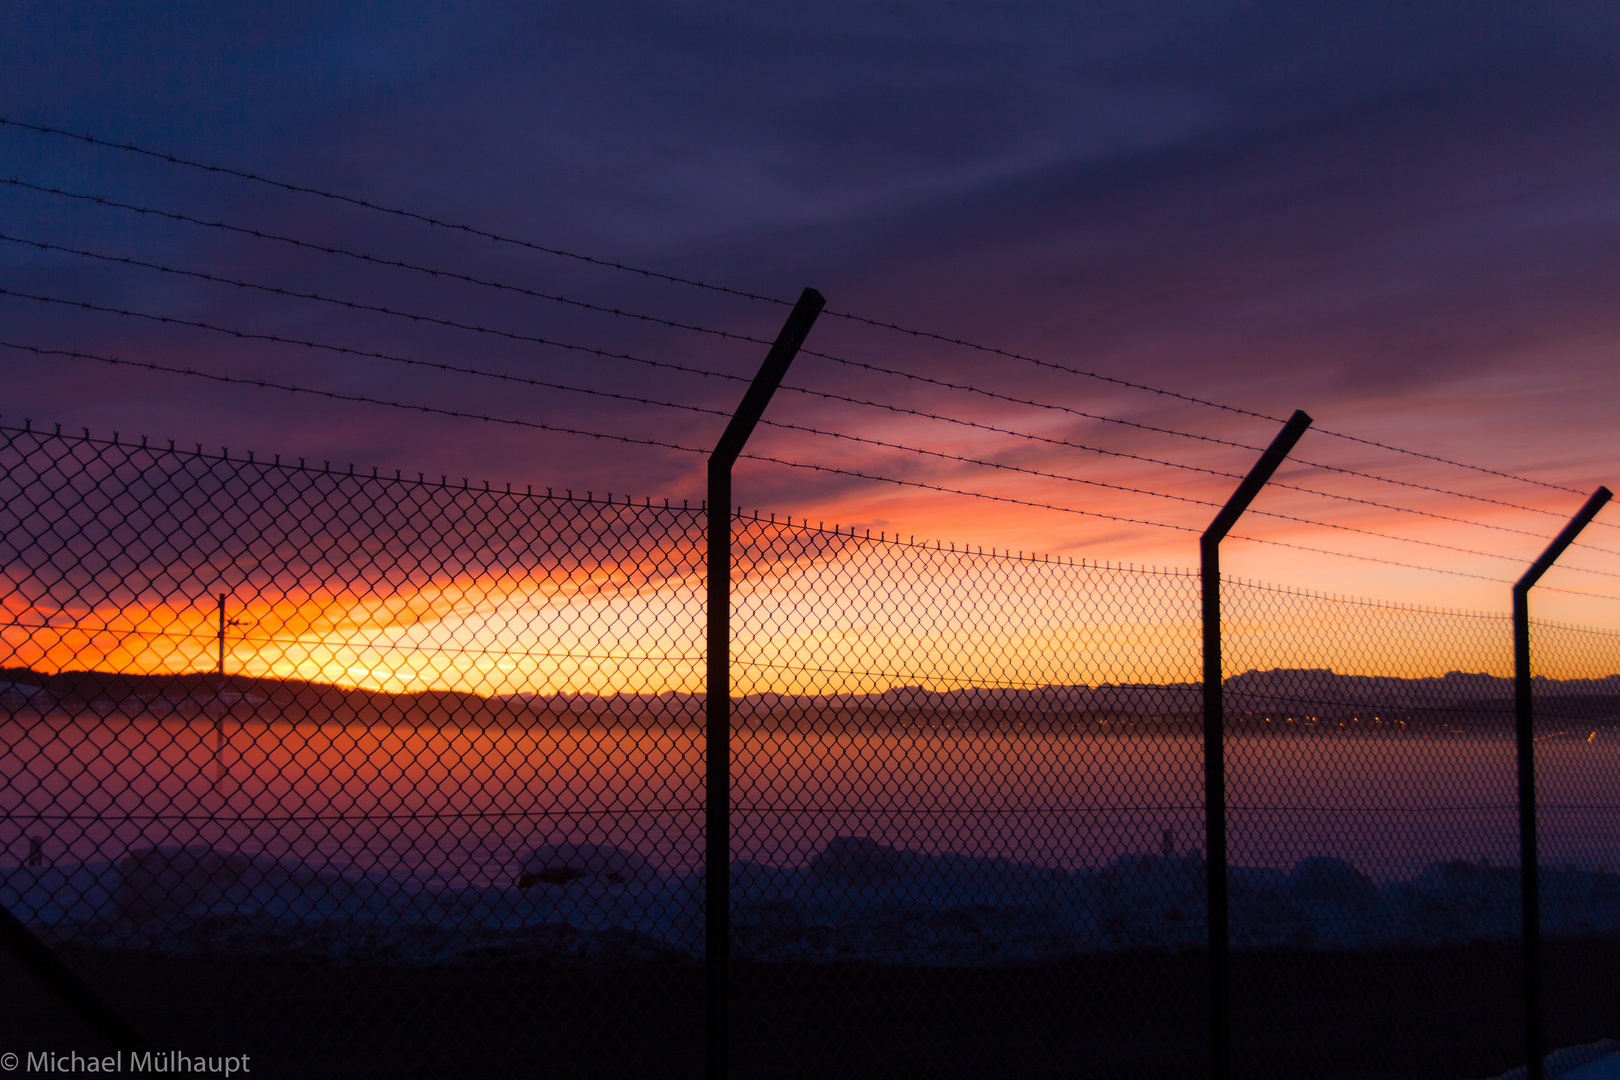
x: 1281, y: 699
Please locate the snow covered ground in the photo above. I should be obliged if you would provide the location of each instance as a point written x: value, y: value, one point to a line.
x: 1606, y: 1067
x: 1594, y: 1061
x: 855, y: 900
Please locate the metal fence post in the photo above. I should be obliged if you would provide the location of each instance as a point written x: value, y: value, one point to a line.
x: 1220, y: 1012
x: 1524, y: 715
x: 717, y: 814
x: 36, y: 958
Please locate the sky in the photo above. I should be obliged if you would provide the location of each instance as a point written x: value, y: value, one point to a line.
x: 1401, y: 218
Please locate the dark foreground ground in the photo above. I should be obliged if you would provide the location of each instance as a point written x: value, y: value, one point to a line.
x: 1444, y: 1014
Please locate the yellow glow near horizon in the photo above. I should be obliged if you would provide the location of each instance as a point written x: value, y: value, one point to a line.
x: 857, y: 617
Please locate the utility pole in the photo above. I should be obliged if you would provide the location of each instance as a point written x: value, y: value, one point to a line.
x: 220, y: 707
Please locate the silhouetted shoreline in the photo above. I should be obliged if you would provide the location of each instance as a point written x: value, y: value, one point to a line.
x: 1283, y: 701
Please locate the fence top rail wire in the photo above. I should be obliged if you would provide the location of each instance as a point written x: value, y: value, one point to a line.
x: 933, y: 546
x: 265, y: 384
x: 426, y: 219
x: 559, y: 429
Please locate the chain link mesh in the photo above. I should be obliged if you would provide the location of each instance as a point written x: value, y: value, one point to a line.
x: 956, y: 772
x: 1392, y: 797
x: 1577, y: 728
x: 422, y: 795
x: 324, y: 767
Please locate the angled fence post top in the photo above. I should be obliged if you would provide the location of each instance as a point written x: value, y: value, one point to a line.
x: 1525, y: 737
x: 1566, y: 537
x: 717, y: 704
x: 1214, y: 740
x: 1258, y: 476
x: 759, y: 392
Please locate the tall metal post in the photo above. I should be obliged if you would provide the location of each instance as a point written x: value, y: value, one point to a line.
x: 717, y: 857
x: 1220, y: 1010
x: 35, y: 957
x: 1524, y: 717
x: 219, y: 668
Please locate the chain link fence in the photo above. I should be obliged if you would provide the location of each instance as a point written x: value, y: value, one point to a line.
x: 328, y: 767
x: 383, y: 775
x: 1392, y: 797
x: 955, y: 773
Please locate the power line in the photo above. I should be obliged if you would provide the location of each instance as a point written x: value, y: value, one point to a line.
x: 172, y: 159
x: 209, y: 636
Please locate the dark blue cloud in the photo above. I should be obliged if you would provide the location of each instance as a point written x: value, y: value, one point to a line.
x: 1368, y: 208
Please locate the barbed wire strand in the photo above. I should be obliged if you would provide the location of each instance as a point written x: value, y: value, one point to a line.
x: 570, y: 388
x: 1082, y: 372
x: 172, y: 159
x: 1216, y: 440
x: 359, y: 398
x: 1157, y: 524
x: 366, y: 204
x: 541, y: 340
x: 767, y: 459
x: 373, y: 354
x: 845, y: 436
x: 399, y: 264
x: 1183, y: 466
x: 436, y: 273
